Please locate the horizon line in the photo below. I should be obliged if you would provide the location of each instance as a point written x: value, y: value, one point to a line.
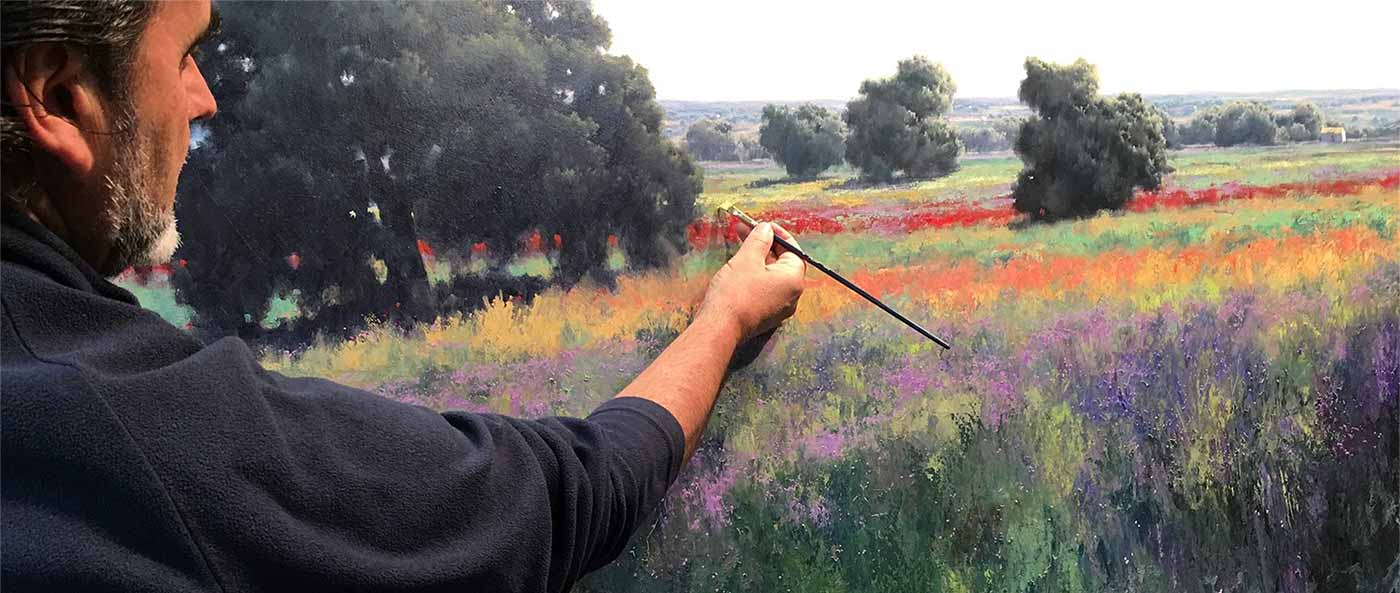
x: 1015, y: 99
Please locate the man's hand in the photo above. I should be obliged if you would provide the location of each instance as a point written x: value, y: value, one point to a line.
x: 757, y: 289
x: 750, y: 295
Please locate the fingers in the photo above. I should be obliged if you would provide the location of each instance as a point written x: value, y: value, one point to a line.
x: 782, y: 232
x: 742, y: 228
x: 789, y: 263
x: 778, y: 249
x: 758, y: 243
x: 790, y: 259
x: 774, y: 251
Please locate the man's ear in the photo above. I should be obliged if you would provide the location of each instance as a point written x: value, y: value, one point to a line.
x: 50, y: 89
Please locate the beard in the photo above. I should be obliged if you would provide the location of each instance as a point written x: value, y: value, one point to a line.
x: 140, y: 231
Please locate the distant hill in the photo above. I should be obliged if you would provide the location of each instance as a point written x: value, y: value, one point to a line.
x: 744, y: 115
x: 1360, y: 108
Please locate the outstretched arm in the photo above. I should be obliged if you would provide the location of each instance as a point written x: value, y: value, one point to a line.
x: 754, y: 292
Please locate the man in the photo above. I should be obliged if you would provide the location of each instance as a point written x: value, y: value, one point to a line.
x: 136, y: 458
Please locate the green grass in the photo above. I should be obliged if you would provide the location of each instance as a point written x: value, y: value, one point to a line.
x: 976, y: 179
x: 1279, y: 164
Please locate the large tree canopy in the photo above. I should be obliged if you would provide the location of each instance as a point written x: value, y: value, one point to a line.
x: 806, y: 140
x: 353, y: 135
x: 1083, y: 152
x: 899, y: 124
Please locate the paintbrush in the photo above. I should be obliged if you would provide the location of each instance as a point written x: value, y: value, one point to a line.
x: 729, y: 208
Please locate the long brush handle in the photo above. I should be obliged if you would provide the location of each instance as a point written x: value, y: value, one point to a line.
x: 839, y: 278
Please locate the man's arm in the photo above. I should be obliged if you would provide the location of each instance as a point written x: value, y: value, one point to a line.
x: 282, y: 480
x: 754, y: 292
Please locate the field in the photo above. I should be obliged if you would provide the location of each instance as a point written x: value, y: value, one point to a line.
x: 1197, y: 394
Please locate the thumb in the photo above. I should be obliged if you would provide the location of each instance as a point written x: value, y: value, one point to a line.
x: 758, y: 243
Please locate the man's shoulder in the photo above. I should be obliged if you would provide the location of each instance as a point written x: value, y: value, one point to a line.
x: 73, y: 465
x: 67, y: 325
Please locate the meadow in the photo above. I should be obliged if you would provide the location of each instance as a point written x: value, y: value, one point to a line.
x: 1196, y: 394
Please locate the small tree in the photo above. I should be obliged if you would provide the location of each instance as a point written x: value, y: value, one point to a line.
x: 1246, y: 122
x: 899, y: 124
x: 1001, y: 135
x: 1298, y: 133
x: 982, y: 140
x: 806, y: 140
x: 1083, y: 152
x: 1201, y: 128
x: 709, y: 140
x: 1310, y: 117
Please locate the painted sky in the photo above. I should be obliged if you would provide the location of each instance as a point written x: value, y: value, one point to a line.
x: 814, y: 49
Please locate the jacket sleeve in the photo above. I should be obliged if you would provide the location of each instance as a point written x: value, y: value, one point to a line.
x: 604, y: 474
x: 308, y: 485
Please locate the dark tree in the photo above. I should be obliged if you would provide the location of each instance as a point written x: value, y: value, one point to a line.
x: 806, y: 140
x: 899, y: 124
x: 1083, y: 152
x: 1246, y: 122
x: 352, y: 134
x: 709, y: 140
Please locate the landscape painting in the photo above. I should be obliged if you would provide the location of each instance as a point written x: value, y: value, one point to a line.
x: 1169, y: 273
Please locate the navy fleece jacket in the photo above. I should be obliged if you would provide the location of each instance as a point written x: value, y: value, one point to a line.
x: 137, y: 459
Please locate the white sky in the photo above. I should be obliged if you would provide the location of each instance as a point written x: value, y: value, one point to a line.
x: 783, y: 50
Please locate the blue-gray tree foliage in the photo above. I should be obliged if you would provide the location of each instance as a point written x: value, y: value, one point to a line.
x: 899, y: 124
x: 806, y: 140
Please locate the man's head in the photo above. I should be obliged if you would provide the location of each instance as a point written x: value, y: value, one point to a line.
x: 98, y: 98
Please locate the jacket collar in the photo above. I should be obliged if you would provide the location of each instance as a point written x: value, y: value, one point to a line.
x: 26, y: 243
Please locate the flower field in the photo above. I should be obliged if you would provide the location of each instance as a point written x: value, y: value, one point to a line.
x: 1196, y: 394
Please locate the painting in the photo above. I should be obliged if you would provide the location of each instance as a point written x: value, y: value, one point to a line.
x: 1174, y: 314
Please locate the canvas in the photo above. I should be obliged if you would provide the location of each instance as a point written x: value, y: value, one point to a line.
x: 1189, y: 384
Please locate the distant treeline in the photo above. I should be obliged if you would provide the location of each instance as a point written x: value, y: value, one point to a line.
x: 1254, y: 122
x: 716, y: 137
x: 1359, y: 111
x: 1244, y: 122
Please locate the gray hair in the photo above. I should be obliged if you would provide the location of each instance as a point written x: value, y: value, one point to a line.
x: 107, y: 31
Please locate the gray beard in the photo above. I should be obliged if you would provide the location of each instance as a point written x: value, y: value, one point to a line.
x: 140, y: 232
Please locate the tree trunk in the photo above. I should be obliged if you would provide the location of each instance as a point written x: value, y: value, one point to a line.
x: 407, y: 282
